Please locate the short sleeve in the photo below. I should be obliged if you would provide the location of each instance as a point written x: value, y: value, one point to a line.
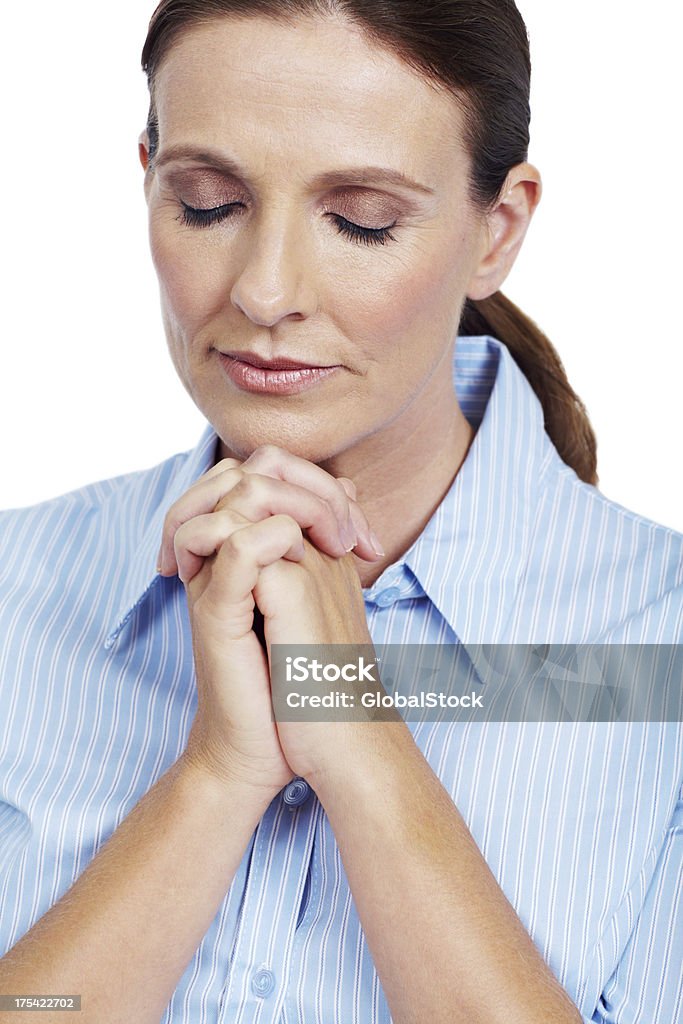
x: 647, y: 984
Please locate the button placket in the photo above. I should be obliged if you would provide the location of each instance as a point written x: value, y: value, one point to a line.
x: 259, y: 966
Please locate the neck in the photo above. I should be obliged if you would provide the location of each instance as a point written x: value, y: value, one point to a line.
x: 402, y: 473
x: 402, y: 480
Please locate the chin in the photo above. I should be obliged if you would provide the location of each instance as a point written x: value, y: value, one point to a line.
x: 311, y: 445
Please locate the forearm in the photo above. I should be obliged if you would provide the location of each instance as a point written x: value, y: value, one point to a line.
x: 122, y: 936
x: 446, y: 943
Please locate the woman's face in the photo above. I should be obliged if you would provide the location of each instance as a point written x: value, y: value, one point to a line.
x: 265, y: 136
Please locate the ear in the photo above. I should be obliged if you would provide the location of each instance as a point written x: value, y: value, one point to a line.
x: 504, y: 229
x: 143, y: 149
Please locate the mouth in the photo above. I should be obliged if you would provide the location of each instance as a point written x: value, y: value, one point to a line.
x: 280, y: 377
x: 281, y: 363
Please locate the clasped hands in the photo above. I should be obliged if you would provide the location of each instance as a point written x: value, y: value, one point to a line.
x: 236, y: 540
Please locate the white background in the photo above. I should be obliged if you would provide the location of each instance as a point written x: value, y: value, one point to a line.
x: 86, y: 387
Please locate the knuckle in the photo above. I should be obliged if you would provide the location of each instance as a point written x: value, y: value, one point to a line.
x: 235, y: 472
x: 266, y: 454
x: 226, y: 464
x: 248, y: 486
x: 253, y: 484
x: 223, y: 504
x: 238, y: 544
x: 228, y: 520
x: 288, y: 523
x: 182, y: 536
x: 225, y: 500
x: 324, y: 507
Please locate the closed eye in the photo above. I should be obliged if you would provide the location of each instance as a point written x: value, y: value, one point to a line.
x: 367, y: 236
x: 205, y: 218
x: 202, y: 218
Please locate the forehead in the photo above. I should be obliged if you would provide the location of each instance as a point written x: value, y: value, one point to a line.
x: 313, y: 91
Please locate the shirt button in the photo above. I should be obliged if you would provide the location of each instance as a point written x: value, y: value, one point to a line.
x: 295, y: 792
x: 387, y: 597
x: 263, y: 983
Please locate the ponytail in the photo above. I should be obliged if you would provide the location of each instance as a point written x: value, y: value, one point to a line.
x: 565, y: 416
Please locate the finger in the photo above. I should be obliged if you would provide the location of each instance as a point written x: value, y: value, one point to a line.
x: 334, y: 536
x: 368, y: 547
x: 266, y: 495
x: 207, y: 535
x: 221, y: 467
x: 270, y: 460
x: 202, y: 497
x: 348, y: 486
x: 276, y: 463
x: 256, y: 497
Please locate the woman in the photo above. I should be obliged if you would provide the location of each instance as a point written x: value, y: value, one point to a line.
x: 335, y: 190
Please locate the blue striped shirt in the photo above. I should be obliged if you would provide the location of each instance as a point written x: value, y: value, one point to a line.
x: 581, y: 824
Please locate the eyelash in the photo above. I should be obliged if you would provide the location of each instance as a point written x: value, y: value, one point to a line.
x: 364, y: 236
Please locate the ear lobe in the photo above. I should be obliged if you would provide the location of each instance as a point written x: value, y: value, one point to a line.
x: 505, y: 229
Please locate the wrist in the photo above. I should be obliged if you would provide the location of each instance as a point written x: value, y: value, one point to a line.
x: 378, y: 753
x: 221, y: 780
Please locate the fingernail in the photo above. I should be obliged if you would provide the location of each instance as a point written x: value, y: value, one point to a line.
x: 349, y: 538
x: 377, y: 547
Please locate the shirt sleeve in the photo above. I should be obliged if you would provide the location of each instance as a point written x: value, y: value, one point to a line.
x: 15, y: 832
x: 647, y: 985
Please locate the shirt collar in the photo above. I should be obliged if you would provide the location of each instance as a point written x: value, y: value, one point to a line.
x: 143, y: 563
x: 470, y: 556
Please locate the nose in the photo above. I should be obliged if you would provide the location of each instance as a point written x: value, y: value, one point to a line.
x: 276, y: 279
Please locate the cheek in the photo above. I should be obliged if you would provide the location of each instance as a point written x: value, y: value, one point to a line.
x: 414, y: 298
x: 192, y: 285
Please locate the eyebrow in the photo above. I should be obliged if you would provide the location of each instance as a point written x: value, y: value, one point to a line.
x: 329, y: 179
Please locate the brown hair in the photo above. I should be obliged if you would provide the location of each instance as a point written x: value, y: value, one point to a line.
x: 478, y: 50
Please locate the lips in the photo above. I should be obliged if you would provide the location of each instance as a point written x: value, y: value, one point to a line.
x: 281, y: 377
x: 281, y: 363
